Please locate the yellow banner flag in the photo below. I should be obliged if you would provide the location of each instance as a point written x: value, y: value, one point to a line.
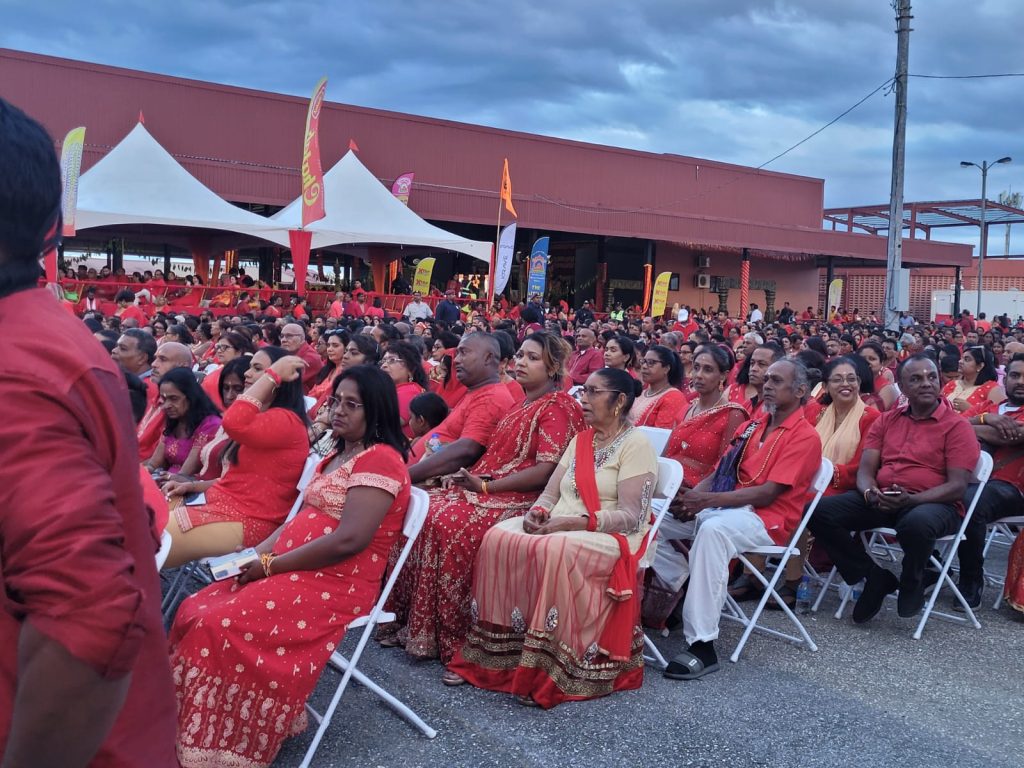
x: 660, y: 295
x: 421, y: 283
x: 70, y: 165
x: 835, y: 296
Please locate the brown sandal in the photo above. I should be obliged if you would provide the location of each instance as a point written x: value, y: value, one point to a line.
x: 452, y: 679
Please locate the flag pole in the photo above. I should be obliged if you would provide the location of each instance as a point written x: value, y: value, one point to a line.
x: 494, y: 255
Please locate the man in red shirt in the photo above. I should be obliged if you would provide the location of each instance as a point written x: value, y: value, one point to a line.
x: 126, y: 309
x: 293, y: 341
x: 586, y: 359
x: 1002, y: 427
x: 462, y: 437
x: 912, y: 477
x: 84, y: 675
x: 777, y: 459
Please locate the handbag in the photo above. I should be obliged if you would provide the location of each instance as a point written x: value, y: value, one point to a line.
x: 724, y: 478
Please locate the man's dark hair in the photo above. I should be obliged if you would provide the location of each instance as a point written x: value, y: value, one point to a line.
x: 29, y: 198
x: 146, y: 342
x: 919, y: 357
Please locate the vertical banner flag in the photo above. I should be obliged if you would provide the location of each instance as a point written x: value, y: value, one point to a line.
x: 835, y: 297
x: 300, y: 240
x: 538, y: 267
x: 506, y: 190
x: 403, y: 186
x: 70, y: 165
x: 506, y: 248
x: 421, y: 282
x: 660, y: 295
x: 744, y: 289
x: 312, y: 172
x: 648, y: 269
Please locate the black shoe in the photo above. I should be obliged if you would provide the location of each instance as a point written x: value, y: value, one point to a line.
x: 971, y: 590
x: 879, y: 583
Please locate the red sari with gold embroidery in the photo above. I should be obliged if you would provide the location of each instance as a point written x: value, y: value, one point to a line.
x: 699, y: 442
x: 245, y: 659
x: 432, y: 596
x: 1014, y: 589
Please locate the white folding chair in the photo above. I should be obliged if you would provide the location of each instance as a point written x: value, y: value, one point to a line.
x: 880, y: 544
x: 415, y: 516
x: 194, y: 570
x: 1001, y: 532
x: 165, y: 550
x: 670, y: 477
x: 732, y: 610
x: 658, y: 437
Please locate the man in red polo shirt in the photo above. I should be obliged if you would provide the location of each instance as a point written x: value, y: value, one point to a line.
x: 293, y: 341
x: 586, y: 359
x: 1002, y: 427
x: 912, y: 477
x: 777, y: 459
x: 84, y: 674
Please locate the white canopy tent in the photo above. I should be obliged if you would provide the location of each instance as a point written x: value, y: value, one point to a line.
x: 138, y: 182
x: 362, y: 210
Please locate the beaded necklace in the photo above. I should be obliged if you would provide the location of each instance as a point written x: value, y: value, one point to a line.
x: 768, y: 458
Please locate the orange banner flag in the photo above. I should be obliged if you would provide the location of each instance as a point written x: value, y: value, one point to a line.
x: 312, y: 172
x: 506, y: 190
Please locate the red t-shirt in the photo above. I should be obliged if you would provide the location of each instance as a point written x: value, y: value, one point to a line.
x: 76, y: 542
x: 475, y: 417
x: 132, y: 312
x: 790, y: 456
x: 1008, y: 460
x: 916, y: 453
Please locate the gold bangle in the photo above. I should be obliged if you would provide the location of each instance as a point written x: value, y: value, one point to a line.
x: 266, y: 559
x: 981, y: 418
x: 483, y: 487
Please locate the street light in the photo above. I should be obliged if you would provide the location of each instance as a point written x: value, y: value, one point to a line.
x: 984, y: 228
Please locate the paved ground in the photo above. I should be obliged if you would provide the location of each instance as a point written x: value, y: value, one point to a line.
x: 871, y: 696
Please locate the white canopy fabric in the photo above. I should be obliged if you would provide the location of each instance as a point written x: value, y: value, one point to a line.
x: 138, y: 182
x: 362, y: 210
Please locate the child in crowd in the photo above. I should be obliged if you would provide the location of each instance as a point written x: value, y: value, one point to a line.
x: 426, y: 411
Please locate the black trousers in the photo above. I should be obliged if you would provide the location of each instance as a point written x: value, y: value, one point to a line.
x: 999, y: 499
x: 917, y: 528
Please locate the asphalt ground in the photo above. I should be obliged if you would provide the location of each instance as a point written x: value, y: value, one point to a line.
x: 870, y: 696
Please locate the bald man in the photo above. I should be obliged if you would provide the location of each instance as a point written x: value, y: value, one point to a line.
x: 168, y: 355
x: 293, y: 341
x: 460, y: 439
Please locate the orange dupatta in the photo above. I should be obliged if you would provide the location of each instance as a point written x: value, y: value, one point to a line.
x: 617, y: 639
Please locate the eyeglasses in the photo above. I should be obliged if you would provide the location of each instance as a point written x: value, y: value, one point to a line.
x: 222, y: 347
x: 837, y: 380
x: 644, y: 362
x: 591, y: 391
x: 292, y: 336
x: 333, y: 403
x: 391, y: 360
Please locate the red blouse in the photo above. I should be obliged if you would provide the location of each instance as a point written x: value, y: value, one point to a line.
x: 699, y: 442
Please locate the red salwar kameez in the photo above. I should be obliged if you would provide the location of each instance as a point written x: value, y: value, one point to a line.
x: 245, y: 659
x: 432, y: 596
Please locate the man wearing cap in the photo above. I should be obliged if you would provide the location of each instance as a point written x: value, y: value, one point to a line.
x: 585, y: 314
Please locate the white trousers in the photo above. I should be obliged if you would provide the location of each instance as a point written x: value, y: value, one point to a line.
x: 722, y: 533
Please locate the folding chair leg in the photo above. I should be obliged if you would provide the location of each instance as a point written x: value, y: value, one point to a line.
x: 824, y: 589
x: 769, y: 592
x: 655, y: 658
x: 341, y: 663
x: 930, y: 605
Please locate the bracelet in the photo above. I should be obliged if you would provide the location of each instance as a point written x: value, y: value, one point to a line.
x: 483, y: 487
x: 265, y: 560
x: 271, y: 374
x: 981, y: 418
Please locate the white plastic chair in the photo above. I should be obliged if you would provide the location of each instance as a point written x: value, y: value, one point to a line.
x: 670, y: 477
x: 165, y: 550
x: 415, y: 516
x: 1001, y: 531
x: 732, y: 610
x: 876, y: 545
x: 308, y: 401
x: 658, y: 437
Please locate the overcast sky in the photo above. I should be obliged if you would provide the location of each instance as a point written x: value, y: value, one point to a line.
x: 731, y: 80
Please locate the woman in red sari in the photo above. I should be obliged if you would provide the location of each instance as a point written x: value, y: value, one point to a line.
x: 431, y: 598
x: 361, y: 349
x: 246, y: 654
x: 1014, y: 589
x: 334, y: 343
x: 661, y: 402
x: 703, y: 434
x: 404, y: 364
x: 555, y: 605
x: 884, y: 383
x: 978, y: 382
x: 269, y: 427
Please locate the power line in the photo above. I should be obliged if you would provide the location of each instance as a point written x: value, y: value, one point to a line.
x: 968, y: 77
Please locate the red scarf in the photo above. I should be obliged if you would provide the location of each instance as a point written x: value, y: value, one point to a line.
x: 617, y: 639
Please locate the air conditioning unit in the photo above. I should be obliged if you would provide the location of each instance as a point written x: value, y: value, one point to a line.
x: 702, y: 281
x: 703, y: 262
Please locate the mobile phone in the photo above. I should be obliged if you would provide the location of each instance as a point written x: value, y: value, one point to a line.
x: 193, y: 499
x: 891, y: 493
x: 226, y: 566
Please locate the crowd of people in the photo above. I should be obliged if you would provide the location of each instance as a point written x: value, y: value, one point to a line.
x: 524, y: 425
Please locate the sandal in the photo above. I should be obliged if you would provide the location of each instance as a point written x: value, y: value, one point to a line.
x: 389, y: 642
x: 744, y: 589
x: 788, y: 595
x: 527, y: 701
x: 452, y: 679
x: 686, y: 666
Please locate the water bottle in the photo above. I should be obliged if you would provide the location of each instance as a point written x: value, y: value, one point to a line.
x: 803, y: 595
x: 434, y: 443
x: 856, y: 589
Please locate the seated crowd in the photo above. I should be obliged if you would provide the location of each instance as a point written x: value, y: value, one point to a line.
x: 525, y: 430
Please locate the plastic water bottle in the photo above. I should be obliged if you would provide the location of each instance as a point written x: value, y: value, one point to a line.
x: 434, y: 444
x: 803, y: 595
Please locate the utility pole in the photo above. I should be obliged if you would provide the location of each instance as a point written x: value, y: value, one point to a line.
x: 894, y: 250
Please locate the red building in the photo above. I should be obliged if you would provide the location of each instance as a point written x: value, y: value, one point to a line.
x: 607, y: 210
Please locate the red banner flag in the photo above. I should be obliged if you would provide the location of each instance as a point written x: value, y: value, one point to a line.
x: 506, y: 190
x: 403, y: 186
x: 352, y: 145
x: 312, y: 172
x: 300, y: 240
